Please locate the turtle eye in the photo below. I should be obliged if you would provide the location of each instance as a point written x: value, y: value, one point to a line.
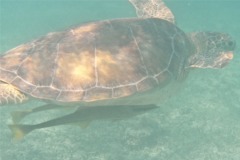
x: 231, y: 44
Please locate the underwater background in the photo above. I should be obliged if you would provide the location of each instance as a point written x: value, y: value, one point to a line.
x: 201, y: 122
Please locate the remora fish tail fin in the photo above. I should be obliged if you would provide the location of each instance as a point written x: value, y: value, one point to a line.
x: 19, y: 131
x: 17, y: 116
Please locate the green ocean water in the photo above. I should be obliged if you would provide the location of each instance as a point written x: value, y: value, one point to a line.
x: 199, y: 123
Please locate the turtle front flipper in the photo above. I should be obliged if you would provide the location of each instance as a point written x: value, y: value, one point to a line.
x: 9, y: 94
x: 152, y: 8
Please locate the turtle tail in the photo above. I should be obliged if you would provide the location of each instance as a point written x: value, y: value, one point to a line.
x: 20, y: 130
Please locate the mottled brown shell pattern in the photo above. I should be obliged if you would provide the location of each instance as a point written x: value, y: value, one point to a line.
x: 99, y: 60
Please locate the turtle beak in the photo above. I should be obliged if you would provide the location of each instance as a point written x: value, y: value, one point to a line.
x: 229, y: 55
x: 224, y: 59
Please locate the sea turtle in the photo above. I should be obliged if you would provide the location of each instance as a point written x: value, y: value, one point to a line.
x: 115, y: 62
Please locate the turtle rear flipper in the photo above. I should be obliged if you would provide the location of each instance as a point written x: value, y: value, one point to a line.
x: 152, y: 8
x: 20, y: 130
x: 9, y: 94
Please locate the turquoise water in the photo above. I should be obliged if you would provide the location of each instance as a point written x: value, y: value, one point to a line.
x: 201, y: 122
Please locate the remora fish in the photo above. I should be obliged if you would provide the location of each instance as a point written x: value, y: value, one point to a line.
x: 83, y: 116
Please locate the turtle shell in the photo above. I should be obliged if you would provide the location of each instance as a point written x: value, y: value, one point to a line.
x: 100, y: 60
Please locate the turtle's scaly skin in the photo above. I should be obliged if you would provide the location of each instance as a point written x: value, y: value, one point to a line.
x: 101, y: 60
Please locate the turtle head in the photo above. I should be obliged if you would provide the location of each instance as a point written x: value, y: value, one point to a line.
x: 212, y: 50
